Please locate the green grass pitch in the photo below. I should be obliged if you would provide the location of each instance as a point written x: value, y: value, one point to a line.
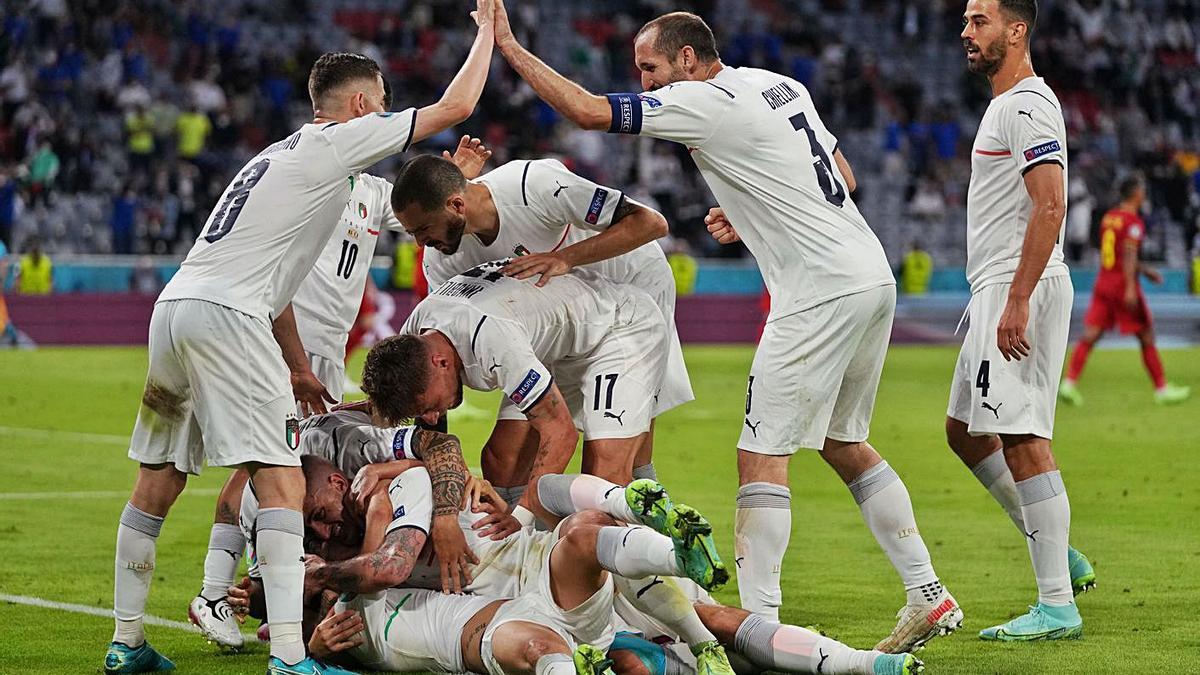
x: 1131, y: 468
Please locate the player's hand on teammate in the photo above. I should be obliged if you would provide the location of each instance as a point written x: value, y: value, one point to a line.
x: 241, y: 597
x: 470, y: 156
x: 451, y: 550
x: 498, y: 523
x: 311, y: 588
x: 363, y: 486
x: 337, y: 632
x: 719, y: 226
x: 1010, y: 333
x: 549, y: 265
x: 310, y: 394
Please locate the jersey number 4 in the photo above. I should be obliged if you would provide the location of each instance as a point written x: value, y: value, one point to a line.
x: 982, y: 381
x: 235, y: 199
x: 834, y: 192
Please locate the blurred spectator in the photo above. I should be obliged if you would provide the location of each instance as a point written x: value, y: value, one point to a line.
x: 192, y: 128
x: 8, y: 204
x: 145, y: 278
x: 123, y: 220
x: 36, y: 273
x: 1080, y: 206
x: 43, y: 169
x: 139, y: 128
x: 916, y: 270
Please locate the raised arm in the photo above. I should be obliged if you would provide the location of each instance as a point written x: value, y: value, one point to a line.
x: 1044, y: 183
x: 459, y: 99
x: 571, y: 100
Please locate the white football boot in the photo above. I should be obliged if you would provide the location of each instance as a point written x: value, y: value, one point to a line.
x: 920, y: 623
x: 215, y: 619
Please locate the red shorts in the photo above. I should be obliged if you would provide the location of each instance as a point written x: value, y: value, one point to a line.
x: 1107, y: 311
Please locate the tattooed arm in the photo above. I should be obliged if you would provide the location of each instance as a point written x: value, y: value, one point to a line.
x: 448, y: 475
x: 387, y: 566
x: 556, y: 443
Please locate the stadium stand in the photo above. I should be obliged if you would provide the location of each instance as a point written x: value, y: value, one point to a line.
x: 173, y: 96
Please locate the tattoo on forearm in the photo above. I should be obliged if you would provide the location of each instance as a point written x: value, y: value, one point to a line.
x: 388, y: 566
x: 447, y: 471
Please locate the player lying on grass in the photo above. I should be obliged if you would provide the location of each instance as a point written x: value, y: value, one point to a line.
x: 311, y: 333
x: 1118, y: 300
x: 553, y: 221
x: 762, y: 645
x: 580, y: 352
x: 365, y: 454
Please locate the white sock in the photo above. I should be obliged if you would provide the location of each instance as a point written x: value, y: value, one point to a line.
x: 762, y: 527
x: 645, y: 471
x: 661, y: 599
x: 1047, y: 515
x: 280, y: 549
x: 791, y: 649
x: 564, y: 494
x: 886, y: 507
x: 636, y: 552
x: 225, y: 546
x: 134, y: 569
x: 555, y: 664
x: 994, y: 474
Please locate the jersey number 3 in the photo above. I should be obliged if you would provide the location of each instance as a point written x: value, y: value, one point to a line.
x: 834, y: 192
x: 235, y: 199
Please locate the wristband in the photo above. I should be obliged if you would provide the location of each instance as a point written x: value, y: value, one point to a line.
x: 523, y: 516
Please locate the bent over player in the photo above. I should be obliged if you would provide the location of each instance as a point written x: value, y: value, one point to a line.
x: 779, y: 176
x: 1117, y: 299
x: 217, y: 387
x: 1001, y: 413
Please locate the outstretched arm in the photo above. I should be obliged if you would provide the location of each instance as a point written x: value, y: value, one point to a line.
x: 459, y: 99
x: 387, y: 566
x: 571, y: 100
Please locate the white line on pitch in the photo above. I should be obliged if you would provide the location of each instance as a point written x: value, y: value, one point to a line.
x: 64, y: 435
x: 99, y: 494
x: 97, y: 611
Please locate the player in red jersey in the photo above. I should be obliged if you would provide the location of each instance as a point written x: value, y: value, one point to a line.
x: 1117, y: 298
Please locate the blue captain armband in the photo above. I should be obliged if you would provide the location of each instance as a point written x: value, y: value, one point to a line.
x: 626, y: 114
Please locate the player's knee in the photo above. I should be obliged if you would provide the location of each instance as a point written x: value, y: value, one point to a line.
x: 956, y: 435
x: 534, y: 648
x: 585, y: 519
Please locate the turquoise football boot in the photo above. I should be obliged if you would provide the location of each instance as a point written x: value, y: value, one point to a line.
x: 122, y: 658
x: 1083, y: 577
x: 695, y: 550
x: 898, y: 664
x: 1041, y: 623
x: 308, y: 666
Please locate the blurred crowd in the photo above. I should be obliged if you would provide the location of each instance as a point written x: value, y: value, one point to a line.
x: 121, y: 122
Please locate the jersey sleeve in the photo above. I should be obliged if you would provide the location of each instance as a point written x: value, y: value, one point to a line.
x: 361, y: 142
x: 368, y: 444
x: 411, y: 495
x: 564, y: 197
x: 508, y: 362
x: 1031, y: 127
x: 684, y: 112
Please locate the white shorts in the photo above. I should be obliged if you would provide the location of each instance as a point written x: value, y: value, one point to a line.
x: 659, y: 283
x: 589, y: 623
x: 815, y: 374
x: 216, y: 388
x: 331, y: 373
x: 994, y: 396
x: 408, y: 629
x: 611, y: 390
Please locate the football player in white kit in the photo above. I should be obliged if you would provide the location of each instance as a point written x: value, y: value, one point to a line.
x: 313, y: 344
x: 580, y: 353
x: 781, y: 180
x: 1001, y: 414
x: 217, y: 387
x: 552, y: 220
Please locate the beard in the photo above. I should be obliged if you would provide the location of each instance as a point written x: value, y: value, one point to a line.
x: 989, y: 59
x: 454, y: 235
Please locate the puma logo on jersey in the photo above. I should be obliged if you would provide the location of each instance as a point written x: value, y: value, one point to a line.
x: 561, y: 187
x: 616, y: 417
x: 648, y: 586
x: 995, y: 411
x: 753, y: 427
x: 1030, y: 535
x: 492, y: 368
x: 821, y: 663
x: 1027, y: 113
x: 738, y: 561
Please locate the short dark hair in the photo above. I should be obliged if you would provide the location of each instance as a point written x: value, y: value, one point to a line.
x: 1129, y: 185
x: 335, y: 69
x: 681, y: 29
x: 428, y: 180
x: 317, y: 471
x: 395, y: 374
x: 1021, y: 10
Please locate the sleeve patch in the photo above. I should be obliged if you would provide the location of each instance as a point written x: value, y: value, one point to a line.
x: 1135, y: 231
x: 398, y: 513
x: 1043, y: 149
x: 597, y: 205
x: 398, y: 444
x: 650, y: 101
x: 525, y: 387
x: 626, y: 113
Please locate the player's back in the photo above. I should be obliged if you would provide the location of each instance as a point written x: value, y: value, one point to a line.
x: 1117, y: 229
x: 276, y: 216
x: 769, y: 159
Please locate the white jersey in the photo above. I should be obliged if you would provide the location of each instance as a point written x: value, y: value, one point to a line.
x: 509, y: 332
x: 544, y: 207
x: 348, y: 440
x: 328, y: 299
x: 1022, y: 128
x: 274, y: 219
x: 408, y: 630
x: 767, y: 157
